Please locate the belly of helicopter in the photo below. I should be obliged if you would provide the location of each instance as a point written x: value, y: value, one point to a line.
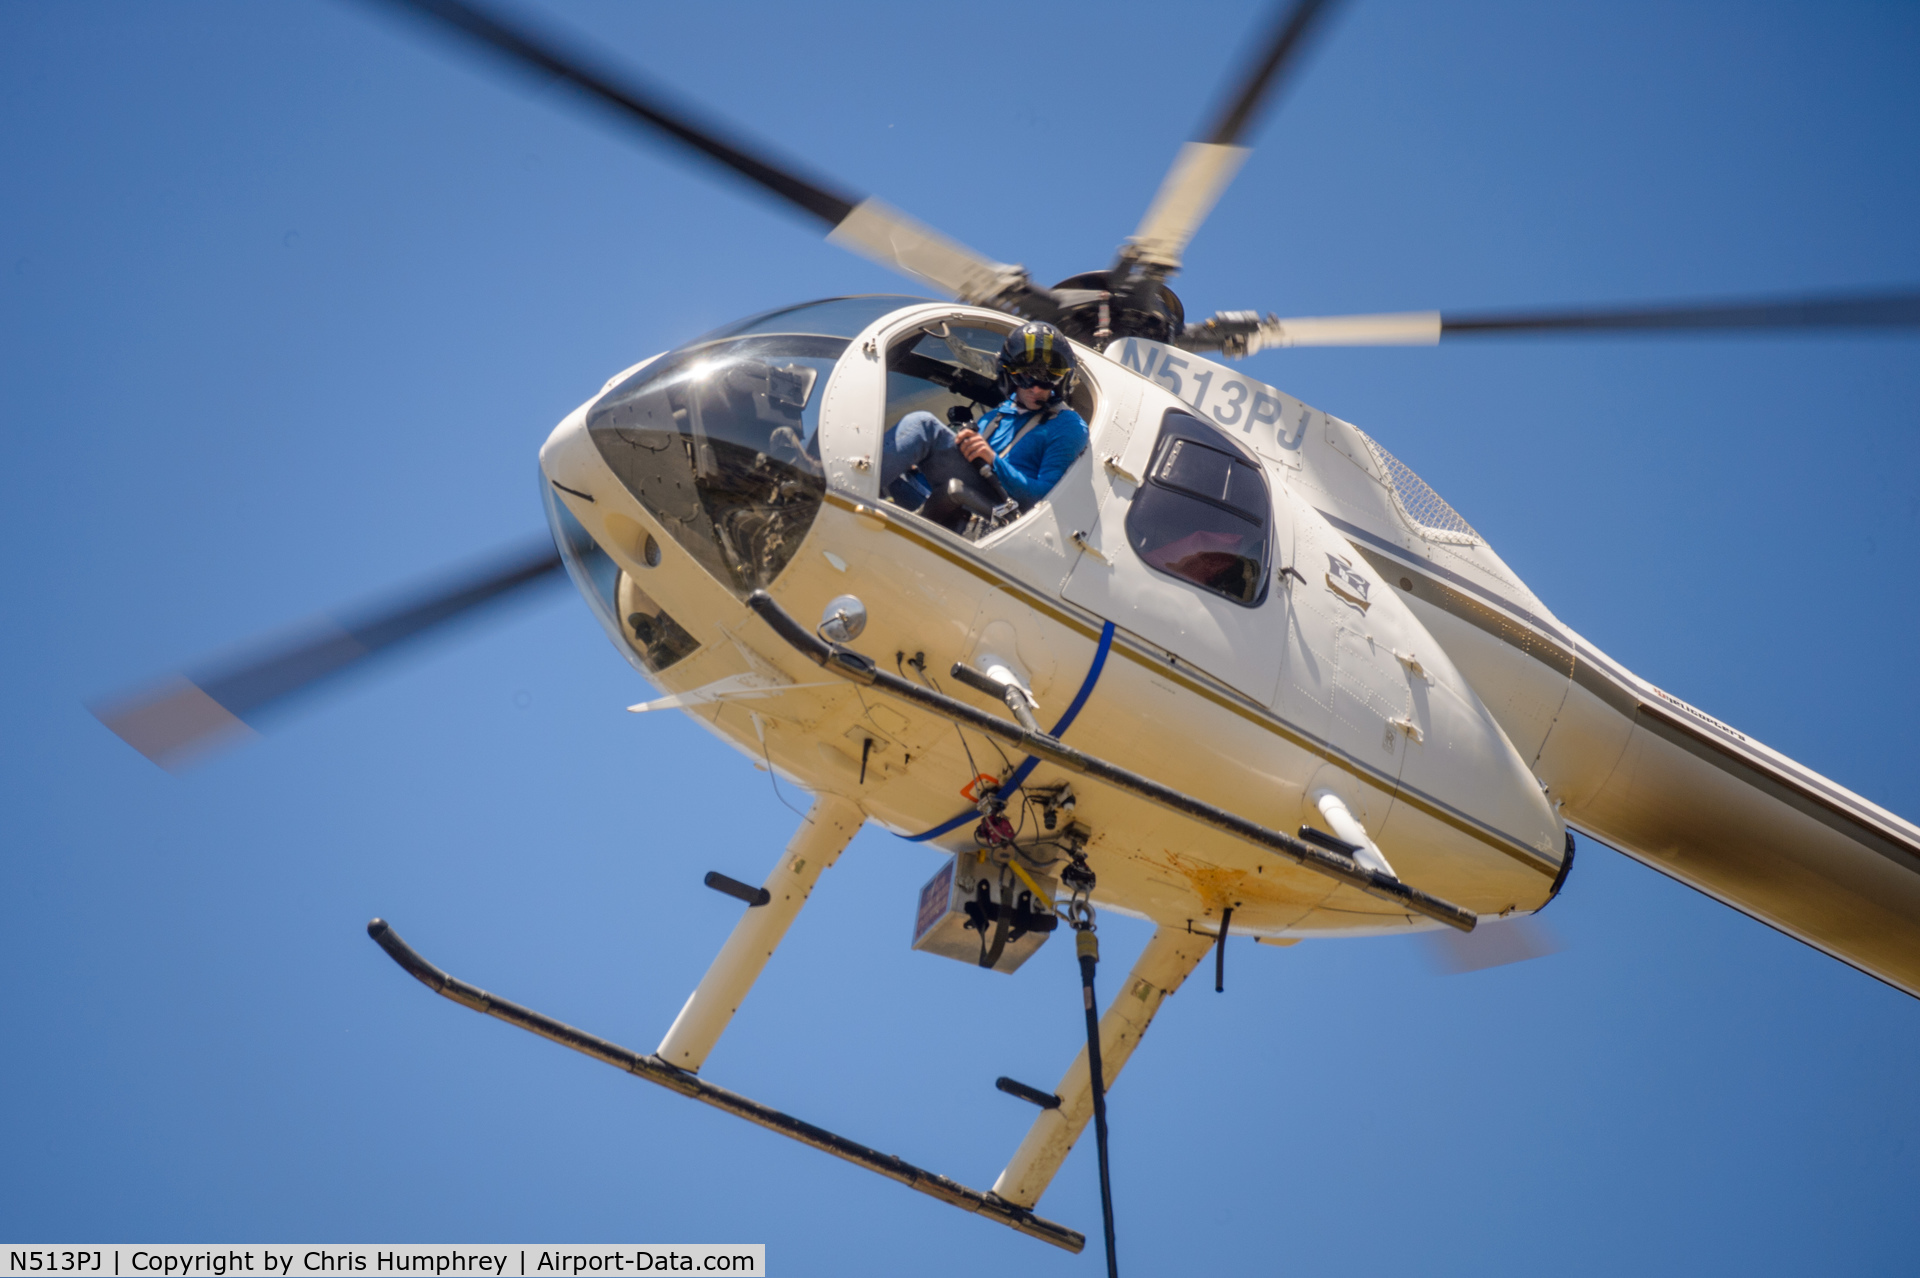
x: 930, y: 604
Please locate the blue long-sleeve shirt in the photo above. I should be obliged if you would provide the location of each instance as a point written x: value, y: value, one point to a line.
x: 1032, y: 466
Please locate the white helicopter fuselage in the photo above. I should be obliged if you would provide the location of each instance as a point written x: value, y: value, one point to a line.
x: 1327, y: 684
x: 1390, y: 664
x: 1619, y: 758
x: 1232, y: 616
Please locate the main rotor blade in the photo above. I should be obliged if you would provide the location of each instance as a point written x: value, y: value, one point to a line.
x: 177, y: 720
x: 1520, y: 940
x: 1882, y: 310
x: 1239, y: 333
x: 1202, y: 170
x: 866, y: 226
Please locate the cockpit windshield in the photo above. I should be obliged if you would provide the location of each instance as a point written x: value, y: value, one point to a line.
x: 643, y: 631
x: 833, y: 317
x: 720, y: 442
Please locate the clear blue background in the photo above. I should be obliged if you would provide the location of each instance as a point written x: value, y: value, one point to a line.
x: 292, y: 293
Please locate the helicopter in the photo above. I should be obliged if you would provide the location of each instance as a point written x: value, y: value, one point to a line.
x: 1394, y: 649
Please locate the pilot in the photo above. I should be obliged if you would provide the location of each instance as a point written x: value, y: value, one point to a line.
x: 1027, y: 442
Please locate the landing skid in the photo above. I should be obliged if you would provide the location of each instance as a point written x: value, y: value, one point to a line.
x: 655, y: 1070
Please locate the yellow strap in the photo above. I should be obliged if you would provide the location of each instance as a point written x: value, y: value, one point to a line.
x: 1032, y: 887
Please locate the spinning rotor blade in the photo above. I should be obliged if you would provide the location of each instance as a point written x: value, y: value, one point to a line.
x: 1202, y: 170
x: 1239, y: 333
x: 866, y: 226
x: 176, y: 721
x: 1453, y: 953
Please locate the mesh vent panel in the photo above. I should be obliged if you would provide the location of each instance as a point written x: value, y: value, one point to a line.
x: 1424, y: 508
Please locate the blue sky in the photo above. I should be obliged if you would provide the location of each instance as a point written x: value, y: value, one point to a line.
x: 293, y: 292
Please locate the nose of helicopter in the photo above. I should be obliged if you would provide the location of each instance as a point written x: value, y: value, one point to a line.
x: 641, y: 628
x: 718, y: 446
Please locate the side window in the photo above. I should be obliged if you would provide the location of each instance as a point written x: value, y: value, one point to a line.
x: 1203, y: 512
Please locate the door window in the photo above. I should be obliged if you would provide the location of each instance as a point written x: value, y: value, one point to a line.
x: 1203, y: 513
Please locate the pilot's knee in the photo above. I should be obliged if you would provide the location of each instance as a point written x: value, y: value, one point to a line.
x: 921, y: 433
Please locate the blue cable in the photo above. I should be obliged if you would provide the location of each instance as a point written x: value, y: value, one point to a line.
x: 1021, y: 773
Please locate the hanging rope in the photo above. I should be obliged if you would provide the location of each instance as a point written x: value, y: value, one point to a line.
x: 1079, y: 877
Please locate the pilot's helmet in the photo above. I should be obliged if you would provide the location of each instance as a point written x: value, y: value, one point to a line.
x: 1037, y: 354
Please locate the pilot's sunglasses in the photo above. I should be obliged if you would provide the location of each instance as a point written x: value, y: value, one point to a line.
x: 1029, y: 380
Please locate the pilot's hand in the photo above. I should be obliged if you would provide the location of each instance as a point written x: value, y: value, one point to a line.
x: 973, y: 447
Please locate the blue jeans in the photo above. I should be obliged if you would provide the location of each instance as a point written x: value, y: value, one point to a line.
x: 917, y: 437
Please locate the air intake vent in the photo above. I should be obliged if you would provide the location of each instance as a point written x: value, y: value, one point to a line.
x: 1425, y: 509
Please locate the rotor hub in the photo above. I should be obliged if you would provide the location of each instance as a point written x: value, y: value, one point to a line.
x: 1136, y: 301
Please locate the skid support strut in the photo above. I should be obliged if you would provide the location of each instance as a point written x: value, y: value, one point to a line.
x: 1161, y: 967
x: 817, y: 844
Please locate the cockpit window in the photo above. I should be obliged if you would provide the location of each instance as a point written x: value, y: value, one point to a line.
x: 645, y: 634
x: 1203, y: 512
x: 834, y: 317
x: 645, y: 627
x: 720, y: 442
